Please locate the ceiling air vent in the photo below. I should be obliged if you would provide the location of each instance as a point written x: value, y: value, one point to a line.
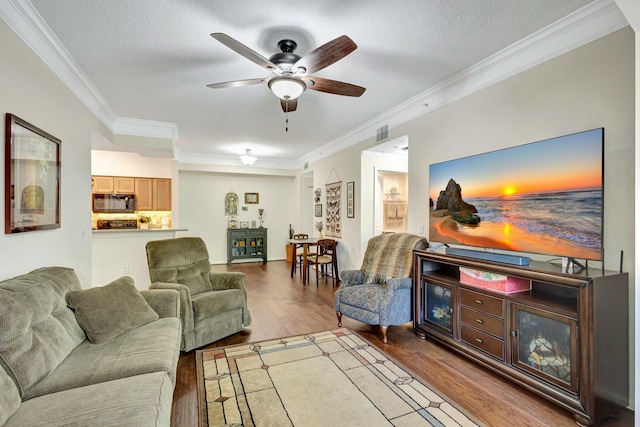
x: 382, y: 133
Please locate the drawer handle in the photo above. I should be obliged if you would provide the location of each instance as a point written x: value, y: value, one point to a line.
x: 480, y: 321
x: 479, y: 340
x: 478, y: 302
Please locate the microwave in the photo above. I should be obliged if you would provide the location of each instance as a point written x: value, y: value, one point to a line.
x: 114, y: 203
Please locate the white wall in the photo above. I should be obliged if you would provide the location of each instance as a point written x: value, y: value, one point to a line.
x: 118, y: 163
x: 202, y: 208
x: 31, y: 91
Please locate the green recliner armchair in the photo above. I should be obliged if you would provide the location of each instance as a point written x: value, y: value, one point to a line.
x: 212, y: 305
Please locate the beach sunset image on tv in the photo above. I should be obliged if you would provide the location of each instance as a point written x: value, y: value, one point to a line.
x: 544, y: 197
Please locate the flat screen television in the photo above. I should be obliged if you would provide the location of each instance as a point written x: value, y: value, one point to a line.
x: 544, y: 197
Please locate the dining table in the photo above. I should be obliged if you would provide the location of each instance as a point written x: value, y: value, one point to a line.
x: 305, y: 243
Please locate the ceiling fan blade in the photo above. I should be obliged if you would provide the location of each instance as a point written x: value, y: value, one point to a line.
x: 293, y: 105
x: 237, y: 83
x: 333, y: 86
x: 245, y: 51
x: 326, y: 55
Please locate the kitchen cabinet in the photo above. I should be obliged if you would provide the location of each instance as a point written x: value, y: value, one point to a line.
x: 144, y: 194
x: 153, y: 194
x: 113, y: 184
x: 564, y: 337
x: 161, y: 194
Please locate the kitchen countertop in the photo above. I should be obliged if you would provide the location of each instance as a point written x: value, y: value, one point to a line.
x: 135, y: 230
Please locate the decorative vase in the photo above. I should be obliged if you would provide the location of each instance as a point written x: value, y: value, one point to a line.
x: 319, y: 234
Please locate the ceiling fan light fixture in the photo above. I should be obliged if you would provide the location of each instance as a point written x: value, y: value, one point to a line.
x: 285, y: 87
x: 248, y: 158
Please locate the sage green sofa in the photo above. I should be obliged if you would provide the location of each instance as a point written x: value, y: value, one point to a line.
x: 213, y: 305
x: 51, y: 374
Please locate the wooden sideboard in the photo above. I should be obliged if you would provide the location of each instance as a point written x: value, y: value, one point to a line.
x: 566, y: 338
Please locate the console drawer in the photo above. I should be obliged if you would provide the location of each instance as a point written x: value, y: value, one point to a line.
x: 482, y: 321
x: 482, y: 302
x: 482, y: 341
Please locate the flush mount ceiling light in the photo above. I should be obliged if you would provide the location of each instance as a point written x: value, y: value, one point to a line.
x: 287, y: 88
x: 248, y: 158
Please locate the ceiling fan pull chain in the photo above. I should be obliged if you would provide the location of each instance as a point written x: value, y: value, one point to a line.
x: 286, y: 116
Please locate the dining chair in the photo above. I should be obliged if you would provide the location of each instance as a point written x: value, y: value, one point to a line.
x: 299, y: 261
x: 323, y: 259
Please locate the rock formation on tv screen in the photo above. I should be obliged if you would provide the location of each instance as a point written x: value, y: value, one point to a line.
x: 450, y: 200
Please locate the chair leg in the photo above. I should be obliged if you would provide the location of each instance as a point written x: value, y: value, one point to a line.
x: 383, y: 329
x: 339, y: 318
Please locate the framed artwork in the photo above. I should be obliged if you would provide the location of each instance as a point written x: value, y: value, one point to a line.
x: 350, y: 197
x: 251, y: 198
x: 32, y: 177
x: 333, y: 214
x: 231, y: 204
x: 318, y: 210
x: 244, y: 224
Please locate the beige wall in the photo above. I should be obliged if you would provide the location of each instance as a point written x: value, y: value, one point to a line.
x: 201, y: 208
x: 31, y: 91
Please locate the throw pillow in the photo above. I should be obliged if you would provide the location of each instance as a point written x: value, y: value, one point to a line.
x: 111, y: 310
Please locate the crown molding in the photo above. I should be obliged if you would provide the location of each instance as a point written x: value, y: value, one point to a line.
x: 593, y: 21
x: 27, y: 23
x: 585, y: 25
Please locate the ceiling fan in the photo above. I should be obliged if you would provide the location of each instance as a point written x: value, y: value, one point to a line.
x: 292, y: 71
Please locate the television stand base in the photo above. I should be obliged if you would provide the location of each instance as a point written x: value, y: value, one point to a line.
x: 489, y: 256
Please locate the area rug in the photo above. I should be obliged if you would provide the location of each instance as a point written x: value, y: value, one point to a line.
x: 330, y: 378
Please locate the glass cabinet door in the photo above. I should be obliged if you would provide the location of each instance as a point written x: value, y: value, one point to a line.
x: 438, y: 306
x: 545, y: 345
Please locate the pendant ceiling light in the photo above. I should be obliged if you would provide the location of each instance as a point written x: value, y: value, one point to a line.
x: 248, y: 158
x: 287, y: 87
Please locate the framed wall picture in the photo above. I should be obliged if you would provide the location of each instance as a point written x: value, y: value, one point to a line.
x: 350, y: 200
x: 251, y: 198
x: 32, y: 177
x: 319, y: 210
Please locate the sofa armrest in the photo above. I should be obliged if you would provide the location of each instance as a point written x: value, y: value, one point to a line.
x: 352, y: 277
x: 228, y: 280
x: 165, y: 302
x: 186, y: 309
x: 399, y: 283
x: 232, y: 280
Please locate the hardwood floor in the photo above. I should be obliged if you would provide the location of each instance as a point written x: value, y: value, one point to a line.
x: 280, y: 306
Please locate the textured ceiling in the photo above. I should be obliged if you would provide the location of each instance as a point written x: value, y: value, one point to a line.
x: 152, y: 60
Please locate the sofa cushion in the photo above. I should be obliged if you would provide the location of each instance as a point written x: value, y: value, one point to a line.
x: 148, y: 348
x: 108, y: 311
x: 141, y: 400
x: 38, y: 329
x: 210, y: 304
x: 9, y: 396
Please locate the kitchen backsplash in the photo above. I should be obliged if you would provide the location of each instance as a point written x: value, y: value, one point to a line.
x: 155, y: 216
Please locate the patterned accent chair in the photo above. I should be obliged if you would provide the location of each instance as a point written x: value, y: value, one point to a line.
x: 212, y: 305
x: 380, y: 292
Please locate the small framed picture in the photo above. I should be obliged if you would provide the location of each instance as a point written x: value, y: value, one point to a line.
x: 350, y: 200
x: 251, y: 198
x: 319, y: 210
x: 244, y: 224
